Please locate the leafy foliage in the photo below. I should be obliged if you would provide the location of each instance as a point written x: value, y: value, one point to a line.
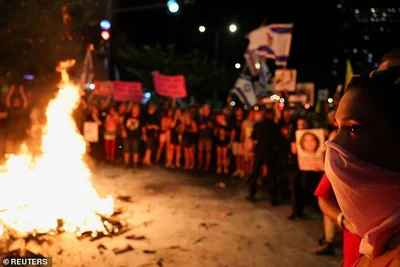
x: 40, y: 33
x: 202, y: 76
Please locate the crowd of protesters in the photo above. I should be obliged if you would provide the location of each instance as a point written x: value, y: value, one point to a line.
x: 256, y: 145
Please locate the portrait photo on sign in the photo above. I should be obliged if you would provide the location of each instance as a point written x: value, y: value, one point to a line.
x: 307, y: 89
x: 310, y: 146
x: 285, y: 79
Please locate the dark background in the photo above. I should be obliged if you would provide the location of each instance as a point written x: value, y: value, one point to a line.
x: 324, y: 35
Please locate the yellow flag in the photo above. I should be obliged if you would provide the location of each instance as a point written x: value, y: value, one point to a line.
x: 349, y: 74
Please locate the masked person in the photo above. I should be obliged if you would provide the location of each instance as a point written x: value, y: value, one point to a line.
x: 365, y: 178
x: 327, y: 200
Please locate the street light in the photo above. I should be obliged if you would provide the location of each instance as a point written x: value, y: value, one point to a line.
x: 173, y: 6
x: 105, y: 35
x: 105, y: 25
x: 237, y: 65
x: 202, y: 29
x: 232, y: 28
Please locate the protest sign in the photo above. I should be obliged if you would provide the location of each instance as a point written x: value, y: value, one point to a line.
x: 103, y: 88
x: 170, y: 86
x: 285, y: 80
x: 306, y: 89
x: 128, y: 91
x: 310, y: 146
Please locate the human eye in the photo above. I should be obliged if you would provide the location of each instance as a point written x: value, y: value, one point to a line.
x: 353, y: 129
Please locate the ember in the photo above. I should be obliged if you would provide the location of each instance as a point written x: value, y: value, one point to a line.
x: 53, y: 193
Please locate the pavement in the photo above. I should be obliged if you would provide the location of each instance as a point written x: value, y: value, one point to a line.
x: 190, y: 222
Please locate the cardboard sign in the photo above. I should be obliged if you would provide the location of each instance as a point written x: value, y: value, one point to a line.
x: 103, y: 88
x: 301, y: 99
x: 285, y: 79
x: 308, y: 90
x: 128, y: 91
x: 310, y: 146
x: 91, y: 132
x: 170, y: 86
x: 323, y: 94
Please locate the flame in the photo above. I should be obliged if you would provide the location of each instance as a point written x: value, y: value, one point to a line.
x: 36, y: 194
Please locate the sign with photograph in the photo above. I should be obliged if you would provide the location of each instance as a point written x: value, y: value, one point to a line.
x: 308, y: 90
x: 285, y: 79
x: 310, y: 146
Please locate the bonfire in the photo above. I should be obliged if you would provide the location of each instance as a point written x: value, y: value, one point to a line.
x: 53, y: 192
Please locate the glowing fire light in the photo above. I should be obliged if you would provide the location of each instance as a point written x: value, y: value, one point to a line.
x: 36, y: 194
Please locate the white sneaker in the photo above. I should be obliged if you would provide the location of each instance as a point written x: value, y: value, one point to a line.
x: 219, y: 170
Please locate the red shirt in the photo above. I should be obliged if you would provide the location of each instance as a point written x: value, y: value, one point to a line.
x: 351, y: 243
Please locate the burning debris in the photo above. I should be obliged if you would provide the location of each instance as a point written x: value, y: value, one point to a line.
x: 36, y: 244
x: 52, y: 194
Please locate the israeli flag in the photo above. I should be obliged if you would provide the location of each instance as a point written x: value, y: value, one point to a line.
x: 87, y: 73
x: 244, y: 90
x: 272, y: 41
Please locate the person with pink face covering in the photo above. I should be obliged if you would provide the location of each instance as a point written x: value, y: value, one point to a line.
x: 363, y: 166
x: 328, y: 204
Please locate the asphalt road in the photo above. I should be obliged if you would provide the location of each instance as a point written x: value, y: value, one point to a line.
x: 190, y: 222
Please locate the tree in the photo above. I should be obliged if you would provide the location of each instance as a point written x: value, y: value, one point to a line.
x: 202, y: 76
x: 40, y: 33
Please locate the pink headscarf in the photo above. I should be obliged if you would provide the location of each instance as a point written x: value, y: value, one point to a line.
x: 368, y: 195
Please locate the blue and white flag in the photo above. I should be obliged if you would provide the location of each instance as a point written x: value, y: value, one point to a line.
x: 272, y: 41
x: 87, y: 73
x: 244, y: 90
x: 252, y: 61
x: 265, y: 73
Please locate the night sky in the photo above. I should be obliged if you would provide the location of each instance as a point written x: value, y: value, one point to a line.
x: 324, y: 35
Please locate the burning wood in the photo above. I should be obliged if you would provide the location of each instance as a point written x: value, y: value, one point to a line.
x: 53, y: 188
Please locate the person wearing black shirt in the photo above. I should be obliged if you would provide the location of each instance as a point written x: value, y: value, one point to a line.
x: 177, y: 128
x: 132, y: 131
x: 152, y: 128
x: 266, y: 135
